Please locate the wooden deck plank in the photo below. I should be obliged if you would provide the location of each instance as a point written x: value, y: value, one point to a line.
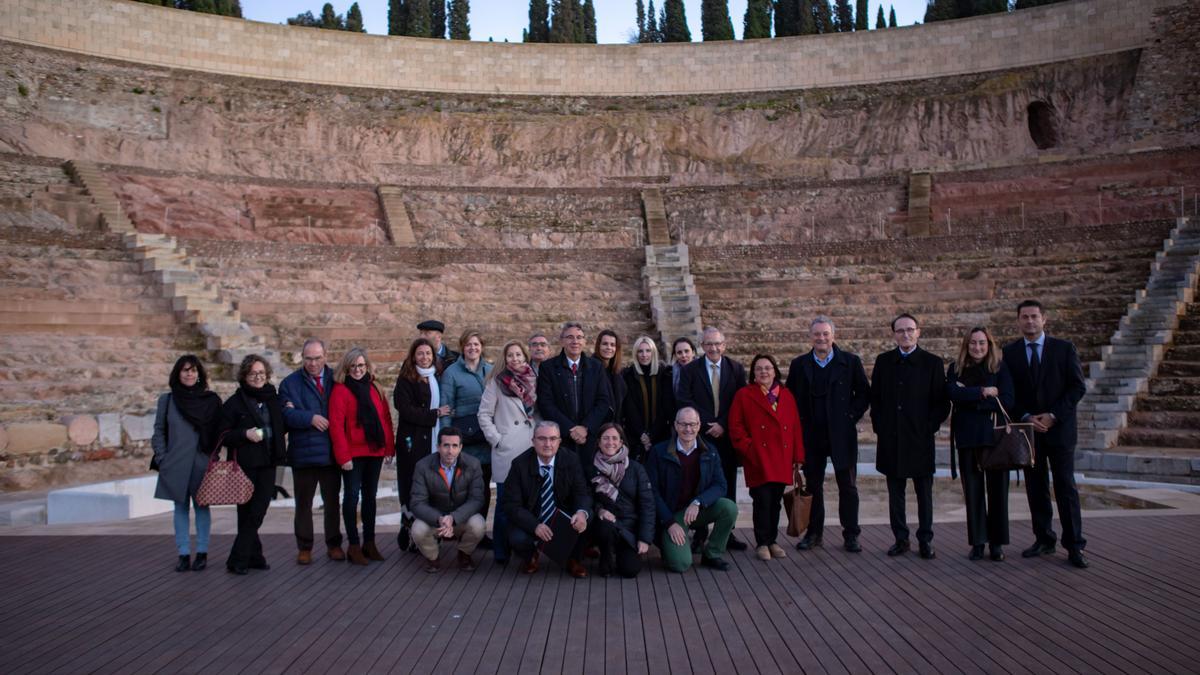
x: 113, y: 604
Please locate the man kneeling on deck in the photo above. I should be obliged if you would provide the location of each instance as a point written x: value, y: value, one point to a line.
x: 447, y: 498
x: 689, y: 493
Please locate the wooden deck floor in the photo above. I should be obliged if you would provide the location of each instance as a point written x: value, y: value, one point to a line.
x: 113, y: 605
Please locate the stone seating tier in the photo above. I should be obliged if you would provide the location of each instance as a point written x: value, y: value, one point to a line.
x: 1168, y: 415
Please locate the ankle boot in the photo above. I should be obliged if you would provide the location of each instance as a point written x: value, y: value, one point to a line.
x: 355, y: 555
x: 200, y: 562
x: 184, y: 564
x: 372, y: 552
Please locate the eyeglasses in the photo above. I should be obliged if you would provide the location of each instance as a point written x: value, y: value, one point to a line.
x: 547, y: 439
x: 905, y: 331
x: 688, y: 425
x: 313, y: 359
x: 712, y: 344
x: 256, y: 375
x: 358, y: 366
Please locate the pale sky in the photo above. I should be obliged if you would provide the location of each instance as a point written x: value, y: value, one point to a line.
x: 505, y: 19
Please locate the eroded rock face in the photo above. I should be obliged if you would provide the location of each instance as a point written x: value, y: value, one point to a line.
x: 151, y: 117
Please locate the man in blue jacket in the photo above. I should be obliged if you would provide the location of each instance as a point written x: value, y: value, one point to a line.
x: 305, y: 398
x: 689, y: 493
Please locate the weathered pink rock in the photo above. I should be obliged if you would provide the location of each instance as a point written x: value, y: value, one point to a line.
x: 3, y: 438
x: 81, y: 429
x: 30, y: 438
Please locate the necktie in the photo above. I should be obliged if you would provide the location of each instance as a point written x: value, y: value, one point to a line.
x: 546, y: 496
x: 574, y: 369
x: 320, y: 389
x: 1035, y: 363
x: 715, y: 379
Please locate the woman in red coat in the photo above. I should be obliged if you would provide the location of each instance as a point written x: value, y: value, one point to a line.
x: 360, y: 427
x: 764, y: 426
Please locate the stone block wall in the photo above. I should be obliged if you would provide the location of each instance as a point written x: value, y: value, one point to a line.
x: 135, y: 32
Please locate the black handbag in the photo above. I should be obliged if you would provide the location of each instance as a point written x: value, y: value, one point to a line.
x: 469, y: 426
x: 1013, y: 448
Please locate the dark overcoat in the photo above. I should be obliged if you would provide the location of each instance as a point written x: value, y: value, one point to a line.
x: 848, y: 399
x: 908, y: 405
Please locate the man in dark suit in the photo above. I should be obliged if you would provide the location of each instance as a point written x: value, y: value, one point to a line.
x: 447, y: 501
x: 832, y: 394
x: 908, y: 405
x: 573, y: 391
x: 432, y: 330
x: 1049, y: 383
x: 708, y: 385
x: 543, y: 480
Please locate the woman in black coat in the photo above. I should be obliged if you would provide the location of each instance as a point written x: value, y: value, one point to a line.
x: 649, y: 398
x: 416, y: 398
x: 608, y: 352
x: 253, y: 428
x: 623, y: 525
x: 978, y: 379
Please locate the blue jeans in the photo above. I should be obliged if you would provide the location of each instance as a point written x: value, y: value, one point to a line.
x: 364, y: 479
x: 499, y: 528
x: 203, y: 527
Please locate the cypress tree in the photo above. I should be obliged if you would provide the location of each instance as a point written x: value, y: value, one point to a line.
x: 844, y: 17
x: 398, y: 17
x: 674, y: 24
x: 577, y: 16
x: 861, y: 14
x: 437, y: 19
x: 460, y: 26
x: 641, y: 21
x: 1025, y: 4
x: 757, y: 23
x: 941, y: 10
x: 418, y: 18
x: 204, y: 6
x: 562, y: 21
x: 806, y: 23
x: 891, y: 16
x: 235, y: 8
x: 786, y: 17
x: 880, y: 19
x: 330, y: 19
x: 354, y: 22
x: 715, y: 23
x: 589, y: 22
x: 539, y: 21
x: 989, y: 6
x: 653, y: 33
x: 822, y: 16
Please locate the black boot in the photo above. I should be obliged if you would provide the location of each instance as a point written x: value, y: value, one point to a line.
x: 185, y: 564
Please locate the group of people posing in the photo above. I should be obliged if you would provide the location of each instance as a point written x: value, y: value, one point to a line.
x: 612, y: 459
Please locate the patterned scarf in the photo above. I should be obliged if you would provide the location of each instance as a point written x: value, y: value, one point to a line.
x: 772, y: 394
x: 521, y: 383
x: 610, y: 471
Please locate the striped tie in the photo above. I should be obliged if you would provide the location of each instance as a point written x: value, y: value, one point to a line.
x: 546, y: 497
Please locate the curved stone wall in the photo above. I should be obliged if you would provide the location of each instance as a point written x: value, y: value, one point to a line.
x: 126, y: 30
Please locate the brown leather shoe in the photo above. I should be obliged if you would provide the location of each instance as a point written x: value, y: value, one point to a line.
x: 304, y: 557
x: 576, y: 570
x: 465, y: 563
x: 355, y: 554
x: 372, y: 552
x: 531, y: 567
x: 336, y: 553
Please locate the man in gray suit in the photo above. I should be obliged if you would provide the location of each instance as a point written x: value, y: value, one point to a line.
x: 447, y: 500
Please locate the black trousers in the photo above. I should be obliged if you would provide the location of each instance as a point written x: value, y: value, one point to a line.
x: 923, y: 487
x: 247, y: 548
x: 614, y: 547
x: 768, y: 502
x: 487, y: 489
x: 305, y: 481
x: 986, y: 497
x: 525, y: 543
x: 814, y: 475
x: 1060, y: 461
x: 363, y: 478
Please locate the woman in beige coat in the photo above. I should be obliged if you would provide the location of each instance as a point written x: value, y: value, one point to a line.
x: 507, y: 415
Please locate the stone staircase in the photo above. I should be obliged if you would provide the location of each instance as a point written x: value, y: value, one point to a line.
x: 227, y: 337
x: 674, y: 304
x: 1136, y: 353
x: 89, y: 177
x: 391, y: 199
x: 659, y: 233
x: 920, y: 185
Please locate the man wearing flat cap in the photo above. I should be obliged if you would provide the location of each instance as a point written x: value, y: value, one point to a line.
x: 432, y: 329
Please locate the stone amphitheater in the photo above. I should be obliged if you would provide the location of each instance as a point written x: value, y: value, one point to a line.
x: 173, y: 182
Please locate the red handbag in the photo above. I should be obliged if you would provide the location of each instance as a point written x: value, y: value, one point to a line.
x: 224, y: 481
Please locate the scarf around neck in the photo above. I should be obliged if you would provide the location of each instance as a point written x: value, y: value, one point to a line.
x: 200, y: 408
x: 368, y: 416
x: 521, y: 383
x: 610, y: 471
x: 435, y: 398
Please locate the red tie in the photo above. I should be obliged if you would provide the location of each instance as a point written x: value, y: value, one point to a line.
x: 320, y: 389
x: 574, y: 369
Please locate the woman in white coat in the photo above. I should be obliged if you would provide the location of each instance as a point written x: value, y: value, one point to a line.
x: 507, y: 415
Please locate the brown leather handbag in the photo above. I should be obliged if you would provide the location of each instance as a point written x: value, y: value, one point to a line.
x: 1013, y: 448
x: 797, y: 503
